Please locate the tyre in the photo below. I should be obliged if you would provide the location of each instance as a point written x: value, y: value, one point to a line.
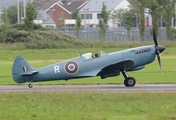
x: 129, y: 82
x: 30, y: 85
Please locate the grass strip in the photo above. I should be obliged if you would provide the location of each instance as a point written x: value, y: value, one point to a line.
x: 88, y: 106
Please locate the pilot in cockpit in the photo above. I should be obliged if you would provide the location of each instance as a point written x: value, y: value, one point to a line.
x: 96, y: 55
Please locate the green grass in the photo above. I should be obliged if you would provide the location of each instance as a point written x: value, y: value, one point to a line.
x: 88, y: 106
x: 40, y: 58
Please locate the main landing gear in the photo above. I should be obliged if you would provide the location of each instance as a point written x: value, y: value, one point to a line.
x: 129, y: 81
x: 30, y: 85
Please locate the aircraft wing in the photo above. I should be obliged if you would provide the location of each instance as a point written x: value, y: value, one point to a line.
x: 117, y: 67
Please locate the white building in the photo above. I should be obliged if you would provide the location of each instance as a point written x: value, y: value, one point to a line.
x: 91, y: 12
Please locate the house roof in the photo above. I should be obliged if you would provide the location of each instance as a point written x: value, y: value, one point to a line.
x: 59, y: 4
x: 96, y: 5
x: 68, y: 5
x: 44, y: 5
x: 45, y: 17
x: 73, y: 5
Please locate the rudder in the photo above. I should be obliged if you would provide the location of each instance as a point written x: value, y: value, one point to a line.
x: 20, y: 68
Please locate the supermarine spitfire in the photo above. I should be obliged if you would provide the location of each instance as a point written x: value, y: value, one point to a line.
x: 105, y: 65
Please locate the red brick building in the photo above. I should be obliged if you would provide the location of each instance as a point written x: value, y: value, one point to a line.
x: 60, y: 10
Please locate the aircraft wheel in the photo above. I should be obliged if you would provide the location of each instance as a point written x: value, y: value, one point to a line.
x: 30, y: 85
x: 129, y: 82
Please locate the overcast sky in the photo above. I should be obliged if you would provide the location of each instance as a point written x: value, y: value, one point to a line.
x: 7, y: 3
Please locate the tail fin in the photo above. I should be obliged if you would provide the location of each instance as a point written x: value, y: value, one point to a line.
x: 20, y: 69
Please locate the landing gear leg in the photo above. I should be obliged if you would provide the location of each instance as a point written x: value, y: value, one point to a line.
x: 129, y: 81
x: 30, y: 85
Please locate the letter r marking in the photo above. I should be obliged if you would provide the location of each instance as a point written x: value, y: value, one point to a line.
x: 56, y: 69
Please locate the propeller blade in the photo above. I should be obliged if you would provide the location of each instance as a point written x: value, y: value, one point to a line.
x: 159, y: 49
x: 154, y: 37
x: 159, y: 60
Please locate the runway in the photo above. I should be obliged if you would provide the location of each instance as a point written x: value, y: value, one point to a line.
x: 89, y: 88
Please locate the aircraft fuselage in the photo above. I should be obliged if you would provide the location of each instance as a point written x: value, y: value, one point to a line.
x: 79, y: 67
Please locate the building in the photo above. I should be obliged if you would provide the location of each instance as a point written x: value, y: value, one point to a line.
x: 91, y: 11
x: 60, y: 10
x: 44, y: 19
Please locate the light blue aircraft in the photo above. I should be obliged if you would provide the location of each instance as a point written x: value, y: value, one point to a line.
x: 102, y: 64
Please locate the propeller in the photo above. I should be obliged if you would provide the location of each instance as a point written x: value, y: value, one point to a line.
x: 159, y: 49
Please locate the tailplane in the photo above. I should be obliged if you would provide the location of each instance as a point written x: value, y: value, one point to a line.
x: 20, y: 69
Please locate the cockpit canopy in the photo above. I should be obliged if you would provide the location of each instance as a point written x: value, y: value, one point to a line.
x: 89, y: 56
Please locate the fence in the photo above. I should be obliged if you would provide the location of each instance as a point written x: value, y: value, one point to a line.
x: 119, y: 35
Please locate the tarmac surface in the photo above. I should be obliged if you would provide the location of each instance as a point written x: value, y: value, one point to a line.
x: 89, y: 88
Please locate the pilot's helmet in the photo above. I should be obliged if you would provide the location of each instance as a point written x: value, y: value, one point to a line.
x: 96, y: 54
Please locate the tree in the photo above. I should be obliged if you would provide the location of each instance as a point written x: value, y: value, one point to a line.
x: 12, y: 13
x: 155, y: 11
x: 168, y: 8
x: 74, y: 14
x: 31, y: 14
x: 128, y: 21
x: 78, y: 24
x: 140, y: 5
x: 117, y: 15
x: 125, y: 17
x: 61, y: 19
x: 4, y: 26
x: 103, y: 21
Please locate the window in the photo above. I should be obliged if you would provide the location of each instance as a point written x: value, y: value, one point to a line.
x: 99, y: 16
x: 60, y: 17
x: 87, y: 56
x: 89, y: 16
x: 83, y: 16
x: 86, y: 16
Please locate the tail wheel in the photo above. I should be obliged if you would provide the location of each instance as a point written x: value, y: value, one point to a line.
x: 129, y: 82
x: 30, y: 85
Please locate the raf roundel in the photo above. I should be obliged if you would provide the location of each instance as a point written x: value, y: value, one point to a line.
x: 71, y: 67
